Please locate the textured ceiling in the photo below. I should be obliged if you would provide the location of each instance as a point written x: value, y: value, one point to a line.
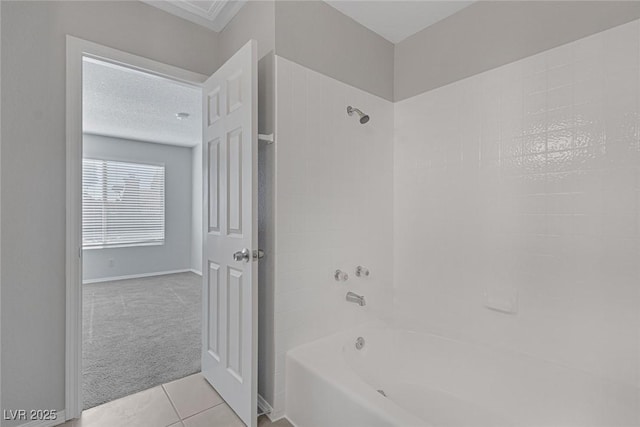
x: 397, y: 20
x: 125, y: 103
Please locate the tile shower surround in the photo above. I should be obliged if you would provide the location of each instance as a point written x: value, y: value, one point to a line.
x: 519, y: 184
x: 522, y: 182
x: 334, y: 182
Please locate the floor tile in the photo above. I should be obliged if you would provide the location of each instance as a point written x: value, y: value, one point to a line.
x: 218, y: 416
x: 264, y: 421
x: 145, y: 409
x: 191, y: 395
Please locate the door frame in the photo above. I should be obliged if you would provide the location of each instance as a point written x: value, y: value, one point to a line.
x: 76, y: 50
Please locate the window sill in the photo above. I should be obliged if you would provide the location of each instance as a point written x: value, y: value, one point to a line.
x: 124, y: 245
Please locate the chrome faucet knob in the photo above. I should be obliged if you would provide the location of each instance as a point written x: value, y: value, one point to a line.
x: 340, y: 276
x: 362, y: 272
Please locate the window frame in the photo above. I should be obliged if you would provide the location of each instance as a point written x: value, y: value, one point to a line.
x: 164, y: 200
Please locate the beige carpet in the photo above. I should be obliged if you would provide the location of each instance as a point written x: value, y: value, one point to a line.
x: 138, y: 334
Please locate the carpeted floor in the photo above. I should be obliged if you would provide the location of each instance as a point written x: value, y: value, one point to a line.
x: 138, y: 334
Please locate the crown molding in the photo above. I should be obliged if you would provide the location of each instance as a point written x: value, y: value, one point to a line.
x: 214, y: 17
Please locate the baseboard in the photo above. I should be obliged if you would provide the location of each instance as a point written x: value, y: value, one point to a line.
x: 290, y: 422
x: 281, y: 417
x: 60, y: 419
x: 194, y: 271
x: 135, y: 276
x: 263, y: 405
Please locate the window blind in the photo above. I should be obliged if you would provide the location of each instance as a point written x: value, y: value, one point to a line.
x: 122, y: 203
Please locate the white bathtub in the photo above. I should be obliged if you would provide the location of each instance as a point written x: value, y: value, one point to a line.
x: 433, y: 381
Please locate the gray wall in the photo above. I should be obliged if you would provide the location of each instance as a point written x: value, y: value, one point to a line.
x: 314, y: 34
x: 256, y: 20
x: 175, y: 253
x: 489, y: 34
x: 33, y: 169
x: 0, y: 203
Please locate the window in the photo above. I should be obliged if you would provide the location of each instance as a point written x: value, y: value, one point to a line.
x: 122, y: 204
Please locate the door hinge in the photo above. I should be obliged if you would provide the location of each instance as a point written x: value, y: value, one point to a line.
x: 258, y: 254
x: 268, y: 138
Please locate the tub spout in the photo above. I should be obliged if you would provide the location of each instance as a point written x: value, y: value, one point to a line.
x: 358, y: 299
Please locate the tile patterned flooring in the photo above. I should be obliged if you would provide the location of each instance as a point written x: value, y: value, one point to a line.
x: 187, y: 402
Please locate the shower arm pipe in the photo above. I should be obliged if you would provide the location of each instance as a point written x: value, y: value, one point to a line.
x: 363, y: 118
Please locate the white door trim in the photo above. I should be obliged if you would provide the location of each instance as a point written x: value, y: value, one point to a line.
x: 76, y: 50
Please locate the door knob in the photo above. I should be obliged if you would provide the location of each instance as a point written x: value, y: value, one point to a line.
x: 243, y: 255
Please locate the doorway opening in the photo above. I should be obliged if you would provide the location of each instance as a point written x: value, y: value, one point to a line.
x: 141, y: 230
x: 228, y: 192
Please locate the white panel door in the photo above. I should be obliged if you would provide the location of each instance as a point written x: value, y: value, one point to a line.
x: 230, y: 274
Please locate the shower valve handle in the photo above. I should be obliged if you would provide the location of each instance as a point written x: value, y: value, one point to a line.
x: 362, y: 272
x: 340, y: 276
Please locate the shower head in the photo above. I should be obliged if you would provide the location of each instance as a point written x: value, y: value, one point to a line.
x: 364, y: 118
